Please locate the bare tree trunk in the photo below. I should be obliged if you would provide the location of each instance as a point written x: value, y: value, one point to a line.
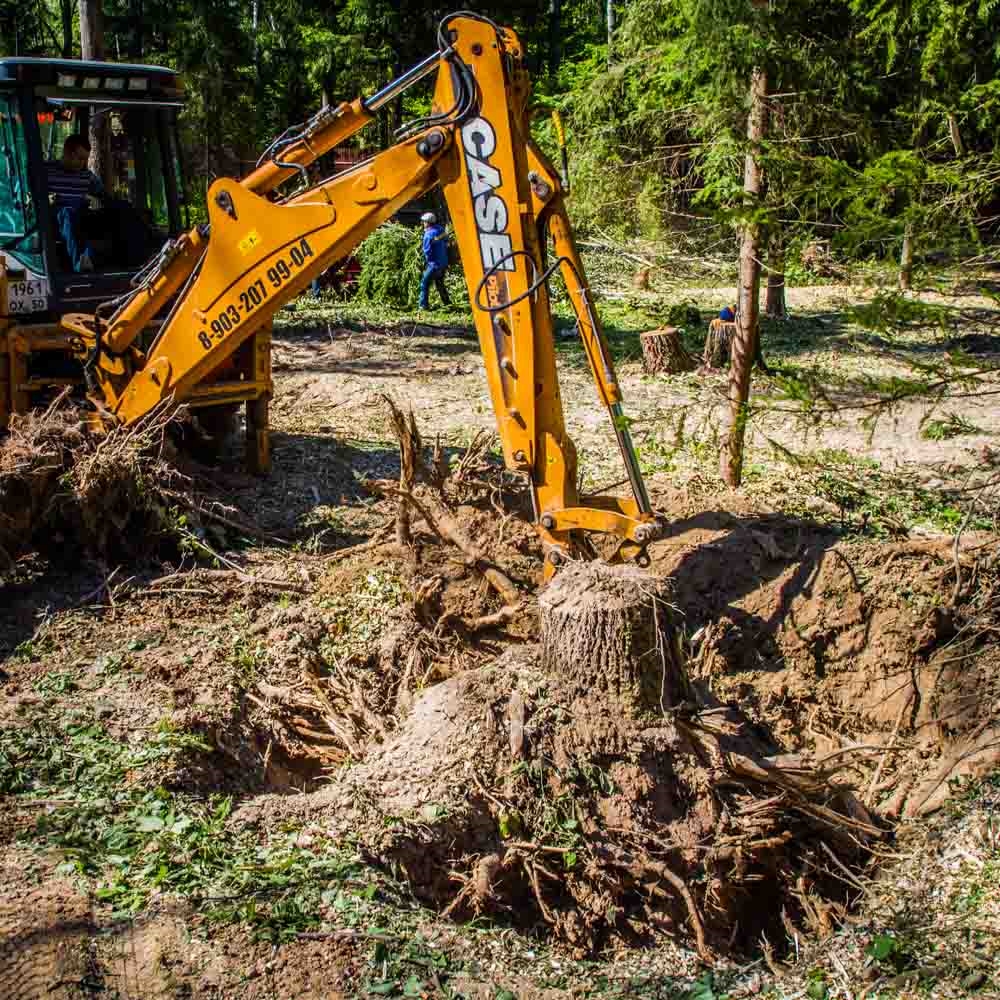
x: 906, y: 260
x: 610, y: 9
x: 774, y: 294
x: 555, y: 39
x: 92, y: 47
x: 138, y: 48
x: 257, y: 90
x: 745, y: 346
x: 956, y: 135
x: 66, y: 17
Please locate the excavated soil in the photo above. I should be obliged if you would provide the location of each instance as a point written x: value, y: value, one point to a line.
x: 393, y: 695
x: 825, y: 641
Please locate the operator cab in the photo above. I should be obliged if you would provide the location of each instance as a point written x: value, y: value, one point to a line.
x: 53, y: 213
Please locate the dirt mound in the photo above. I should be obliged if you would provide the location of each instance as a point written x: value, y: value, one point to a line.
x: 887, y: 646
x: 520, y: 791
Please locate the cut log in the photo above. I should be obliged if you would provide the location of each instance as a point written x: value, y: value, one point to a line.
x: 718, y: 344
x: 662, y: 351
x: 608, y: 629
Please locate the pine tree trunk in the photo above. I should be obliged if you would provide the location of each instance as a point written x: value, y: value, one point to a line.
x: 555, y: 37
x: 138, y: 19
x: 906, y: 260
x: 774, y: 294
x: 662, y: 351
x: 258, y: 92
x: 610, y: 13
x: 607, y: 629
x: 66, y: 17
x: 745, y: 347
x: 92, y: 47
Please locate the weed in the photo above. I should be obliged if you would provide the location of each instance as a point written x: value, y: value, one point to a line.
x: 952, y: 425
x: 703, y: 988
x: 247, y: 658
x: 111, y: 664
x: 131, y: 841
x: 32, y: 649
x: 891, y: 951
x: 410, y: 969
x: 56, y: 682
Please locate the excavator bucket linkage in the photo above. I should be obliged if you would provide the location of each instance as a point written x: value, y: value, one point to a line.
x: 222, y: 283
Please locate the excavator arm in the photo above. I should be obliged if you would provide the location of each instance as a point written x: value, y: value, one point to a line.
x: 228, y: 279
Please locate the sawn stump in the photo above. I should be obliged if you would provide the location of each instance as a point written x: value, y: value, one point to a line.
x: 718, y: 344
x: 662, y: 351
x: 609, y: 629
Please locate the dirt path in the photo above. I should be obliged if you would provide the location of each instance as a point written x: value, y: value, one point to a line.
x: 326, y: 380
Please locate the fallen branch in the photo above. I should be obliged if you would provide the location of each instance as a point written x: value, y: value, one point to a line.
x: 379, y: 538
x: 212, y: 575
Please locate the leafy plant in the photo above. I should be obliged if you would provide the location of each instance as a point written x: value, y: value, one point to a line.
x: 949, y: 426
x: 132, y: 841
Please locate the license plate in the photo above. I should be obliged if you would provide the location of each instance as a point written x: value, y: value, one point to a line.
x: 28, y: 296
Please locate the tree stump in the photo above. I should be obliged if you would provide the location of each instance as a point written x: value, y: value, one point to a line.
x: 608, y: 630
x: 718, y: 344
x: 662, y: 351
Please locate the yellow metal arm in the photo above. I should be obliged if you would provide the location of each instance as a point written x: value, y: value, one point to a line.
x: 505, y: 202
x: 262, y: 255
x: 168, y: 273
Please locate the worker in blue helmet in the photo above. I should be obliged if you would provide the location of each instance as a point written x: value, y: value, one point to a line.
x: 435, y: 248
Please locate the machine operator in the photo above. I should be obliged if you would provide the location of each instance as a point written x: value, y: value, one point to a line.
x: 74, y: 188
x: 77, y: 195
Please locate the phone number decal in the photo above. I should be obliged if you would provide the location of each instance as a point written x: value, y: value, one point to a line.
x: 255, y: 295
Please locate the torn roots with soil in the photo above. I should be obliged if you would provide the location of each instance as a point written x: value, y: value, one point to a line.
x: 583, y: 783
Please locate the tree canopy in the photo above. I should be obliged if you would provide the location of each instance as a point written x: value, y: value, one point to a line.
x: 884, y: 115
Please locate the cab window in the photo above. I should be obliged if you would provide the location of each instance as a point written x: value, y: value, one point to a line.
x: 18, y: 230
x: 132, y: 221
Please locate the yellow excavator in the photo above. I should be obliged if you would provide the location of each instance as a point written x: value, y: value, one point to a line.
x: 195, y: 323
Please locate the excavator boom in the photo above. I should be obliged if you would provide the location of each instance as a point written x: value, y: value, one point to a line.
x: 225, y: 281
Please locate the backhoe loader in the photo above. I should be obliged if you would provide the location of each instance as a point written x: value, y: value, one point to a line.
x: 196, y: 324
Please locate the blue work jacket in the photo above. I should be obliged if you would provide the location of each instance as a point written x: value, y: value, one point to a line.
x: 436, y: 246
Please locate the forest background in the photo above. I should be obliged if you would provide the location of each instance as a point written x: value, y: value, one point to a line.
x: 878, y: 122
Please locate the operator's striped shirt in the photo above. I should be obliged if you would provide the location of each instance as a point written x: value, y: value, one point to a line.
x: 71, y: 186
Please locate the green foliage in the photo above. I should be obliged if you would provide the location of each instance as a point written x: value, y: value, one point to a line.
x: 391, y: 265
x: 951, y: 425
x: 133, y: 841
x: 874, y: 502
x: 685, y: 315
x: 703, y: 988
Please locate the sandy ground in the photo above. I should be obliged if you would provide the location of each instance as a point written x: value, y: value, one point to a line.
x: 809, y: 635
x: 328, y: 378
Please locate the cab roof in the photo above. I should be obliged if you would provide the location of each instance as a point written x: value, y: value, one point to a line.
x: 9, y: 67
x: 79, y: 80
